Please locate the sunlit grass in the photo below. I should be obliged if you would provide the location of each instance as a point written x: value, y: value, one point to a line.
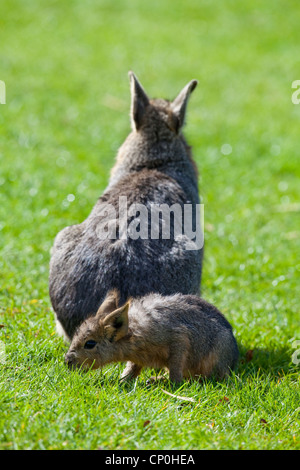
x: 65, y: 68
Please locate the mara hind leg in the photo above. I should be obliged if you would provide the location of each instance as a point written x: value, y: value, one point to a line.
x: 177, y: 362
x: 213, y: 366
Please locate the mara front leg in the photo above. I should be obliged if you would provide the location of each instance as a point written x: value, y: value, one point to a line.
x: 131, y: 371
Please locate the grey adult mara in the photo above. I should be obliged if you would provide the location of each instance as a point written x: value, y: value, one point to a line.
x: 153, y: 166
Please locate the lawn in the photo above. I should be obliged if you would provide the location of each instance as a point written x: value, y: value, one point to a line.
x: 65, y: 68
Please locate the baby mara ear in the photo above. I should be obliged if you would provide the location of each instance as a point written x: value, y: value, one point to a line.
x: 116, y: 324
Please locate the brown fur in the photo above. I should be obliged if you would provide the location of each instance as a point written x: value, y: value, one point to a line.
x: 182, y: 333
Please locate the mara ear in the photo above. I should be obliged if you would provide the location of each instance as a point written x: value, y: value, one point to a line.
x: 110, y: 303
x: 116, y: 323
x: 179, y: 105
x: 139, y: 102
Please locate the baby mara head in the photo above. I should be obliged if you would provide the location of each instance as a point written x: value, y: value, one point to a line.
x: 94, y: 342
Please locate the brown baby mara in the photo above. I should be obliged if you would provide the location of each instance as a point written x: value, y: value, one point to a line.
x: 182, y: 333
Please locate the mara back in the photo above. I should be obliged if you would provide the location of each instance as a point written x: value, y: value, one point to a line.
x: 117, y: 246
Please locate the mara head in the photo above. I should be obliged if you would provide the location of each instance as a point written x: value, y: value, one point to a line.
x: 95, y: 342
x: 157, y: 115
x: 156, y: 138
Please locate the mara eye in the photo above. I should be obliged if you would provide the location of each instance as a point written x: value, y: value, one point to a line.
x: 90, y: 344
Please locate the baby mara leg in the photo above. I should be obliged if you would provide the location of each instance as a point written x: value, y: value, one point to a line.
x: 176, y: 363
x: 131, y: 371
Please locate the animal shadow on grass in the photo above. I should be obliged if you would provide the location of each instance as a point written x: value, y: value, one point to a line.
x: 272, y: 361
x: 160, y: 378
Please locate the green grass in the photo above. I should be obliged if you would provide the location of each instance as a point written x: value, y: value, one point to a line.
x: 67, y: 103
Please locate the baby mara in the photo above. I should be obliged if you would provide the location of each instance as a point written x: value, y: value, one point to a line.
x: 183, y: 333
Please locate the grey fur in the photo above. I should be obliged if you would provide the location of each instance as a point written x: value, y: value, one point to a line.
x: 154, y: 165
x: 185, y: 334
